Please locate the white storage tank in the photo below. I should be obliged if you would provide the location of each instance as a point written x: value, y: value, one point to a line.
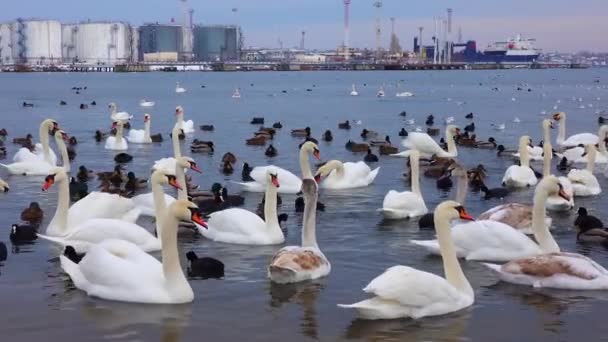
x: 6, y: 44
x: 37, y: 41
x: 98, y: 43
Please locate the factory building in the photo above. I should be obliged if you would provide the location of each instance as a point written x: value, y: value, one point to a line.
x: 215, y: 43
x: 161, y: 43
x: 32, y: 41
x: 99, y: 43
x: 6, y: 46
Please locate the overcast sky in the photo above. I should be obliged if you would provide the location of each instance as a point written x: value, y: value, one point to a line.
x: 564, y: 25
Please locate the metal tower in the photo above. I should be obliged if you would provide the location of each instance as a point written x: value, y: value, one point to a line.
x: 460, y: 35
x: 449, y: 40
x: 378, y: 5
x: 302, y: 39
x: 420, y: 29
x: 346, y: 29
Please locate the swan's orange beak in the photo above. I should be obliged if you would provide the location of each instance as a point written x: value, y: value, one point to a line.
x: 318, y: 178
x: 563, y: 194
x: 196, y: 218
x: 317, y: 154
x: 173, y: 182
x: 195, y: 168
x: 47, y: 184
x: 464, y: 215
x: 275, y: 181
x: 114, y: 125
x: 65, y: 136
x: 146, y: 119
x: 556, y: 116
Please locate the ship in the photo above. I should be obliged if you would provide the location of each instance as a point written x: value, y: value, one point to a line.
x: 518, y: 49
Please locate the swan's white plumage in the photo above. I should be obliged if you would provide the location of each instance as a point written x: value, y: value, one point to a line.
x: 519, y: 177
x: 355, y: 175
x: 290, y: 183
x: 240, y: 226
x: 399, y: 205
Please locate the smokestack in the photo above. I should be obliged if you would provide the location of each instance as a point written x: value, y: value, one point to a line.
x: 450, y: 12
x: 346, y: 30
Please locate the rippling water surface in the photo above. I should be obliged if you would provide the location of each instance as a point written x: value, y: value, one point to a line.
x: 39, y: 302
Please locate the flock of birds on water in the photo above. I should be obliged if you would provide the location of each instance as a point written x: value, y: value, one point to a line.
x: 105, y: 252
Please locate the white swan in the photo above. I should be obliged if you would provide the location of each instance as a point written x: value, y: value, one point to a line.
x: 240, y: 226
x: 236, y: 94
x: 179, y: 89
x: 403, y: 291
x: 406, y: 204
x: 337, y: 175
x: 186, y: 126
x: 536, y: 152
x: 404, y: 94
x: 146, y: 203
x: 428, y: 147
x: 553, y: 268
x: 573, y: 140
x: 584, y: 182
x: 37, y: 166
x: 146, y: 103
x: 576, y: 154
x: 380, y: 92
x: 42, y: 150
x: 521, y: 176
x: 141, y: 136
x: 292, y: 264
x: 121, y: 271
x: 94, y: 230
x: 118, y: 116
x: 557, y: 203
x: 515, y: 215
x: 117, y: 142
x: 168, y: 165
x: 354, y: 91
x: 495, y: 241
x: 290, y: 183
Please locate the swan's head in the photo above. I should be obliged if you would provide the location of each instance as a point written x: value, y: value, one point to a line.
x: 61, y: 135
x: 162, y: 178
x: 58, y: 175
x: 187, y: 211
x: 452, y: 130
x: 450, y: 211
x: 525, y: 140
x: 548, y: 124
x: 188, y: 163
x: 179, y: 110
x: 112, y: 106
x: 327, y: 168
x: 146, y: 117
x: 4, y: 186
x: 310, y: 146
x: 117, y: 123
x: 559, y: 116
x: 551, y: 186
x: 51, y: 125
x: 273, y: 177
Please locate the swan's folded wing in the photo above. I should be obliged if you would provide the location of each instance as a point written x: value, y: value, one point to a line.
x: 236, y: 221
x: 167, y: 165
x: 99, y: 205
x: 285, y: 177
x: 421, y: 142
x: 411, y: 287
x: 401, y: 200
x: 136, y: 135
x: 98, y: 230
x: 581, y: 139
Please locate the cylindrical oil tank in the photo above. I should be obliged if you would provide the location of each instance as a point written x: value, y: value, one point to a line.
x: 97, y: 43
x: 37, y: 41
x: 162, y: 39
x: 6, y: 45
x: 215, y: 43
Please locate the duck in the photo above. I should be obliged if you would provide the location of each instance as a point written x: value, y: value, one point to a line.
x: 403, y: 132
x: 356, y: 147
x: 430, y: 120
x: 489, y: 145
x: 405, y: 292
x: 469, y: 116
x: 84, y: 174
x: 202, y: 147
x: 84, y: 106
x: 573, y: 140
x: 584, y: 182
x: 73, y: 141
x: 487, y: 240
x: 406, y: 204
x: 204, y: 268
x: 135, y: 275
x: 564, y: 165
x: 445, y: 182
x: 470, y: 127
x: 99, y: 136
x: 305, y: 132
x: 122, y: 158
x: 277, y: 125
x: 499, y: 192
x: 229, y: 157
x: 25, y: 140
x: 257, y: 121
x: 232, y: 200
x: 386, y: 141
x: 181, y: 135
x: 387, y: 150
x: 23, y: 233
x: 32, y: 214
x: 521, y: 176
x: 336, y: 175
x: 78, y: 190
x: 293, y: 264
x: 432, y: 131
x: 503, y: 151
x: 344, y: 125
x: 63, y: 103
x: 327, y: 136
x: 227, y: 168
x: 370, y: 157
x: 589, y: 228
x: 207, y: 128
x: 367, y: 134
x: 427, y: 146
x: 246, y: 173
x: 3, y: 251
x: 271, y: 151
x: 256, y: 141
x: 4, y: 187
x: 134, y: 184
x: 299, y: 205
x: 28, y: 104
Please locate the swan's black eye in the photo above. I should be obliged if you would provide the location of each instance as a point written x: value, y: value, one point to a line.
x: 171, y: 178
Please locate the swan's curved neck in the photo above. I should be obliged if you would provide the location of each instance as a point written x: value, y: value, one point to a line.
x: 546, y: 134
x: 44, y: 140
x: 547, y: 155
x: 309, y: 226
x: 64, y: 153
x: 304, y: 164
x: 180, y: 119
x: 177, y: 151
x: 415, y: 176
x: 172, y: 269
x: 147, y: 131
x: 601, y: 136
x: 541, y: 232
x: 59, y: 223
x: 182, y: 193
x: 160, y: 206
x: 449, y: 138
x: 462, y: 187
x: 270, y: 207
x: 453, y: 272
x: 524, y: 155
x: 591, y: 159
x: 119, y: 132
x: 561, y: 134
